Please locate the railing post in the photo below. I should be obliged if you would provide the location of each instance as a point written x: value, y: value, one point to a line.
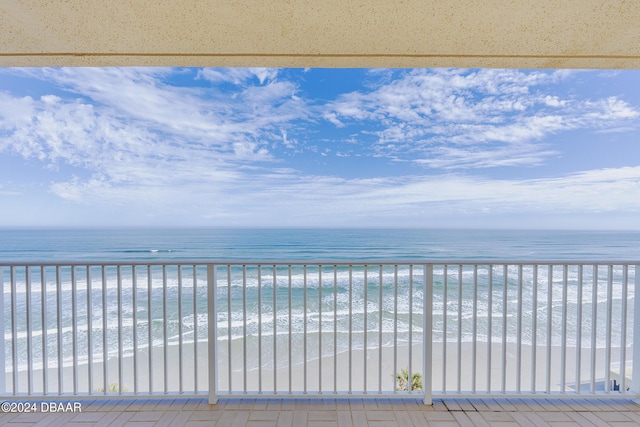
x: 427, y: 334
x: 635, y: 375
x: 212, y: 333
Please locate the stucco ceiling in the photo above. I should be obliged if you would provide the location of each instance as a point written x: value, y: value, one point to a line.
x: 321, y: 33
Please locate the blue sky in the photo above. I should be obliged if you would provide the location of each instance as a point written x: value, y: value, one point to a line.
x: 479, y: 148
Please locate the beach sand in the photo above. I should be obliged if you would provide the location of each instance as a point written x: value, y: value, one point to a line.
x: 333, y: 372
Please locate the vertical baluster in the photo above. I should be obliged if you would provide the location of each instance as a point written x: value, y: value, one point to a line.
x: 319, y: 329
x: 350, y: 326
x: 623, y: 329
x: 89, y: 332
x: 427, y: 322
x: 260, y: 328
x: 244, y: 329
x: 395, y: 326
x: 275, y: 350
x: 59, y: 322
x: 14, y: 329
x: 459, y: 343
x: 607, y: 363
x: 489, y: 326
x: 366, y: 323
x: 534, y: 327
x: 549, y: 324
x: 27, y: 274
x: 290, y: 331
x: 212, y: 332
x: 74, y: 326
x: 119, y: 311
x: 635, y: 374
x: 165, y: 329
x: 410, y: 372
x: 335, y: 330
x: 180, y: 376
x: 304, y: 326
x: 150, y: 327
x: 43, y: 302
x: 563, y: 348
x: 504, y: 328
x: 444, y: 328
x: 3, y: 361
x: 594, y: 322
x: 105, y: 347
x: 195, y: 329
x: 380, y: 334
x: 229, y: 352
x: 134, y: 304
x: 579, y: 328
x: 519, y: 332
x: 474, y: 327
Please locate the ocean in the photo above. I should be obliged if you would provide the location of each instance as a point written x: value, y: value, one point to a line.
x: 148, y: 244
x: 328, y: 289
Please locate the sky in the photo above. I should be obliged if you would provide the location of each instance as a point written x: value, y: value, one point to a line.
x: 262, y: 147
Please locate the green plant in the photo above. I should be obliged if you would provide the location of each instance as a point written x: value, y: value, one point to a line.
x: 402, y: 381
x: 113, y: 388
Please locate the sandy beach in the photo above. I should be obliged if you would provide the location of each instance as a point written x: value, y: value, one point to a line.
x: 331, y: 373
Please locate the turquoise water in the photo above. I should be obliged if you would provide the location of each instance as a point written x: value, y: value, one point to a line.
x: 47, y: 245
x: 328, y: 288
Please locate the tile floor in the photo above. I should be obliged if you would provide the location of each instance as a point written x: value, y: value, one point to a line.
x: 339, y: 413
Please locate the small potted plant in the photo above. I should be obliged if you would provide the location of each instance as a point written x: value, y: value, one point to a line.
x: 403, y: 383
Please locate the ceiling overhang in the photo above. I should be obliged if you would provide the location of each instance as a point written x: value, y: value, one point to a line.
x: 321, y: 33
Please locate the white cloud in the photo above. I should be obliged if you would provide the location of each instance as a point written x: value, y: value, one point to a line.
x: 268, y: 94
x: 132, y: 123
x: 286, y: 141
x: 554, y: 101
x: 333, y: 118
x: 238, y: 76
x: 7, y: 192
x: 612, y: 108
x: 287, y: 198
x: 14, y: 111
x: 457, y: 158
x: 145, y: 146
x: 579, y: 194
x: 425, y: 112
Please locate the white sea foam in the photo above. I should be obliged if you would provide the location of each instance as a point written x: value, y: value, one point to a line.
x: 336, y: 304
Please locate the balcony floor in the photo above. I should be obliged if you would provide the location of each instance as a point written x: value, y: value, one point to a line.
x: 338, y: 413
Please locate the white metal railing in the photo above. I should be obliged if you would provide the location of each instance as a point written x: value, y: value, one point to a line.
x: 322, y: 328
